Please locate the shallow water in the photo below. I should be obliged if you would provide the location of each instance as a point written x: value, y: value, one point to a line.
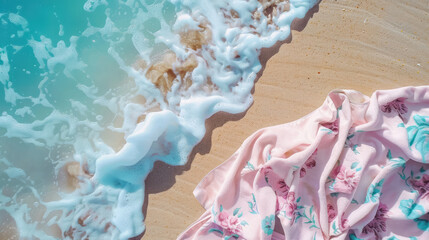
x: 96, y: 91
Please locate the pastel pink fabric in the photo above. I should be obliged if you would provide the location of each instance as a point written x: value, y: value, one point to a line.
x: 356, y: 168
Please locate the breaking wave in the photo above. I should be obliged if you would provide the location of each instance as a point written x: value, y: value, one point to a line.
x: 96, y: 91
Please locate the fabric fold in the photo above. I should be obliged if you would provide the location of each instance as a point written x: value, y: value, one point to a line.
x: 355, y: 168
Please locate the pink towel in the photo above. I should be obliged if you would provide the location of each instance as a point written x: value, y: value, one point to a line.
x: 356, y: 168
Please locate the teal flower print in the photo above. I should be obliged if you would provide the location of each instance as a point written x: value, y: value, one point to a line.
x: 268, y: 224
x: 393, y: 238
x: 422, y: 224
x: 419, y: 135
x: 411, y: 209
x: 352, y: 236
x: 374, y: 192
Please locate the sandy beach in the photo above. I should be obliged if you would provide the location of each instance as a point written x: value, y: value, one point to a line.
x: 363, y: 45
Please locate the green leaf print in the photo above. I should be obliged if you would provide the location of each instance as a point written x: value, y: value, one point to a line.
x: 233, y: 235
x: 235, y: 211
x: 252, y: 205
x: 215, y: 230
x: 249, y: 166
x: 309, y: 219
x: 334, y: 194
x: 396, y: 162
x: 243, y: 223
x: 335, y: 228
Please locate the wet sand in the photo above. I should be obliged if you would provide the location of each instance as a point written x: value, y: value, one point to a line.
x: 360, y: 45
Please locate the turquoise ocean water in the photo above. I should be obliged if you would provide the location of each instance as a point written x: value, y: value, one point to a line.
x: 81, y: 121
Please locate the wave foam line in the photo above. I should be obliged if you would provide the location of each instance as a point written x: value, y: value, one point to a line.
x: 206, y: 60
x: 169, y: 136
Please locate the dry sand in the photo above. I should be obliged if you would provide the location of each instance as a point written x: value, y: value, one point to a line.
x: 361, y: 45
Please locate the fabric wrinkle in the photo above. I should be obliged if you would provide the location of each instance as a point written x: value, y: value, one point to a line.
x: 355, y: 168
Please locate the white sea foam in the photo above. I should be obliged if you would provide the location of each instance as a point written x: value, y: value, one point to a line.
x: 134, y: 85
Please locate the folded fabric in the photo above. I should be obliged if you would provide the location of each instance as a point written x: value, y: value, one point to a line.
x: 356, y: 168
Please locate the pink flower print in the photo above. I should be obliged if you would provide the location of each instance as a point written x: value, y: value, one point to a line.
x: 344, y: 223
x: 302, y: 172
x: 310, y: 163
x: 335, y: 172
x: 346, y: 180
x: 421, y: 185
x: 397, y: 105
x: 230, y: 224
x: 291, y: 204
x: 333, y: 126
x: 378, y: 223
x: 281, y: 203
x: 281, y: 188
x: 278, y: 184
x: 331, y: 213
x: 288, y: 205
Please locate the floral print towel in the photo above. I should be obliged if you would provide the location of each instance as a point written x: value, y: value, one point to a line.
x: 356, y: 168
